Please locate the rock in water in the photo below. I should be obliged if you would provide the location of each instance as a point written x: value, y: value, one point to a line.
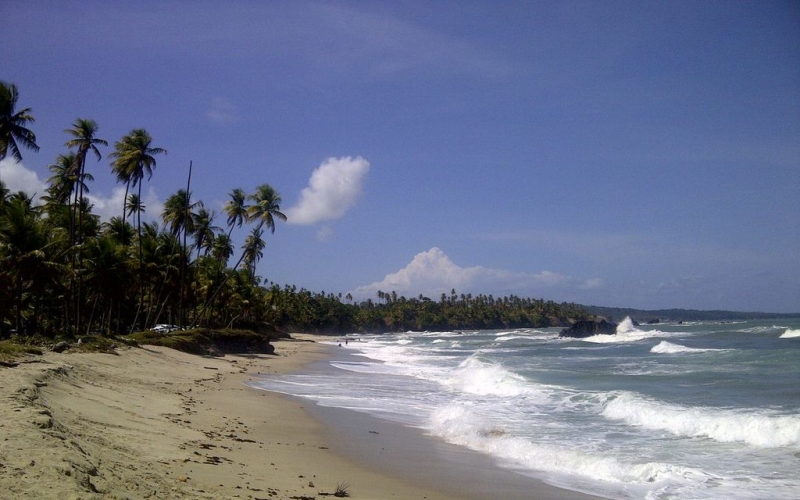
x: 587, y: 328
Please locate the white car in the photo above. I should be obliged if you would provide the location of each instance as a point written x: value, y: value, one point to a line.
x: 164, y: 328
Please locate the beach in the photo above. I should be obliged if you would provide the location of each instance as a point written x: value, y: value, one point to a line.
x: 151, y: 422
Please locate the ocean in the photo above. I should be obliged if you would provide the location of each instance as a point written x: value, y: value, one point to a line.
x: 698, y: 410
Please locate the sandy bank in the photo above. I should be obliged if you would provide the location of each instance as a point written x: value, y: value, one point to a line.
x: 156, y: 423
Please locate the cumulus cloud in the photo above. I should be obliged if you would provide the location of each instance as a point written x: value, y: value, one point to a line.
x: 17, y: 177
x: 432, y: 273
x: 332, y: 190
x: 221, y: 110
x: 111, y: 206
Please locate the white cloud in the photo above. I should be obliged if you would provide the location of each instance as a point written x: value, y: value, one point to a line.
x: 111, y: 206
x: 432, y: 273
x: 221, y: 111
x: 332, y: 190
x: 17, y: 177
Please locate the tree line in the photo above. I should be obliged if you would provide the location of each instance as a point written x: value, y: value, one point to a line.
x: 63, y: 271
x: 302, y: 310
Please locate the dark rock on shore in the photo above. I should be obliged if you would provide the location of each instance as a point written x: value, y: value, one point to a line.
x: 587, y: 328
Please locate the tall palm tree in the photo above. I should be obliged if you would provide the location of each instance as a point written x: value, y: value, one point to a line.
x: 222, y: 248
x: 135, y: 206
x: 179, y: 218
x: 204, y: 230
x: 133, y: 158
x: 265, y: 209
x: 253, y: 251
x: 177, y: 214
x: 62, y: 182
x: 13, y: 124
x: 236, y: 209
x: 84, y: 137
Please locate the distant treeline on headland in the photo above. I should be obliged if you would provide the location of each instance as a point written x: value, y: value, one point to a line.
x: 675, y: 315
x: 301, y: 310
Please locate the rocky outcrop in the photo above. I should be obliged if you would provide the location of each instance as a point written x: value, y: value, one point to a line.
x: 588, y: 328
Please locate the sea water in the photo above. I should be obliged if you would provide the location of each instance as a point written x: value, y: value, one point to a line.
x: 704, y: 410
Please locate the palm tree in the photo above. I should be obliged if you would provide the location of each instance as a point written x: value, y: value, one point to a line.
x: 13, y: 124
x: 135, y: 206
x: 26, y: 247
x: 204, y: 230
x: 221, y: 248
x: 178, y: 216
x: 133, y: 158
x: 120, y: 230
x: 62, y: 182
x: 106, y: 269
x: 253, y: 251
x: 266, y: 208
x: 84, y: 138
x: 236, y: 209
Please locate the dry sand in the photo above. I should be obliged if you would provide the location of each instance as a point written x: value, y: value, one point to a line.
x: 156, y: 423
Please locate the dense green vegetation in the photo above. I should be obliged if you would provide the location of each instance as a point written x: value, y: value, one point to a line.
x: 674, y: 315
x: 64, y: 272
x: 317, y: 312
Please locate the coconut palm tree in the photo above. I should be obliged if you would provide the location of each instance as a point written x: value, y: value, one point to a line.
x: 253, y: 251
x: 13, y: 124
x: 133, y: 158
x: 106, y: 269
x: 236, y: 209
x: 84, y: 133
x: 178, y: 216
x: 222, y: 248
x: 120, y: 230
x: 26, y: 254
x: 62, y: 182
x: 204, y: 230
x: 265, y: 209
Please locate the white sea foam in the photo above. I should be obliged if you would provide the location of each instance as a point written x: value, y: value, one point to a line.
x: 627, y: 332
x: 790, y: 334
x: 756, y: 428
x: 474, y: 376
x: 627, y: 326
x: 665, y: 347
x: 460, y: 425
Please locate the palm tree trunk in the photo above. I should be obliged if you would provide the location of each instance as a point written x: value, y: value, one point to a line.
x: 141, y: 262
x: 181, y: 316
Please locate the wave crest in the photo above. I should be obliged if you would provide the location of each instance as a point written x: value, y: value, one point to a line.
x: 665, y: 347
x: 761, y: 430
x: 790, y: 334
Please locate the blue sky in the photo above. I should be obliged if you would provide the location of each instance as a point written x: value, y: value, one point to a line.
x: 636, y: 154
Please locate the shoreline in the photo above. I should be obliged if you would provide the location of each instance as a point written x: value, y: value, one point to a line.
x: 152, y: 422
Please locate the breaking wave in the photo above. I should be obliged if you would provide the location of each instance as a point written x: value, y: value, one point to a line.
x: 665, y: 347
x: 790, y: 334
x: 757, y: 428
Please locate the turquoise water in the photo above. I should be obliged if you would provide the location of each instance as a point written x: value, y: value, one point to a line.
x: 701, y: 410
